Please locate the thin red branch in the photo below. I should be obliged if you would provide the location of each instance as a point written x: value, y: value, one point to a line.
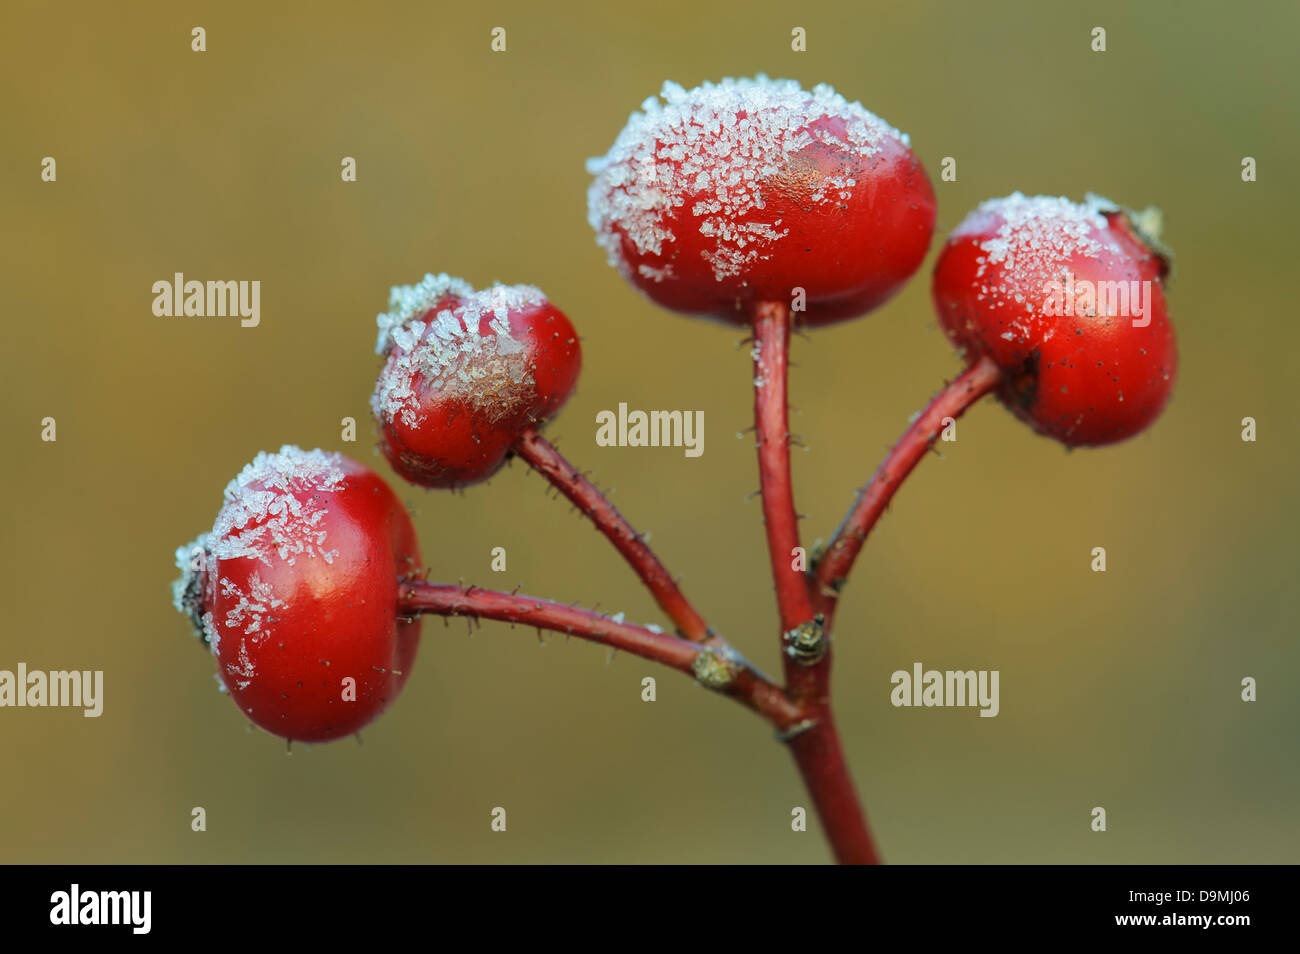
x: 543, y: 457
x: 720, y: 669
x: 834, y: 566
x: 771, y: 426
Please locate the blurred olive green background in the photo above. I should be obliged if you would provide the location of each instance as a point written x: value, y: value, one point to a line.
x: 1119, y: 689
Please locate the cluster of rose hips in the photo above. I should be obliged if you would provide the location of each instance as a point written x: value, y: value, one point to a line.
x: 753, y: 202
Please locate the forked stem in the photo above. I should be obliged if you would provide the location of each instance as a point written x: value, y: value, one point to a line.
x: 833, y: 568
x: 719, y: 669
x: 801, y: 711
x: 544, y: 458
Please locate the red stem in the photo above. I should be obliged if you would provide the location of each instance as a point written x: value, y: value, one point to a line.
x: 833, y: 568
x: 816, y: 744
x: 720, y: 669
x: 771, y: 417
x: 543, y: 457
x: 820, y: 759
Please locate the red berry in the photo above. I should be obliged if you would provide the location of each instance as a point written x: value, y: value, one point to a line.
x: 1068, y: 301
x: 466, y: 373
x: 295, y: 592
x: 741, y: 192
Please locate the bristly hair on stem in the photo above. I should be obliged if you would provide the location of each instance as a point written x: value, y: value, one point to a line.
x: 544, y: 458
x: 720, y: 669
x: 771, y: 424
x: 805, y: 640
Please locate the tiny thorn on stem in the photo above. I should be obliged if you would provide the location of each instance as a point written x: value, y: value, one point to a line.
x: 717, y: 665
x: 571, y: 482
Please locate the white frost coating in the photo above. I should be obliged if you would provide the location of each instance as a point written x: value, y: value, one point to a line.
x: 185, y: 560
x: 448, y: 353
x: 242, y: 668
x: 1036, y: 230
x: 253, y: 607
x: 210, y: 631
x: 715, y: 146
x: 1035, y: 241
x: 186, y: 594
x: 271, y: 510
x: 246, y: 618
x: 756, y: 352
x: 410, y: 301
x: 655, y: 274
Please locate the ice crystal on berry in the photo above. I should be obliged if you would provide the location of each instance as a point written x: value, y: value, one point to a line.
x: 253, y: 607
x: 712, y: 150
x: 1036, y: 239
x: 1038, y: 230
x: 272, y: 508
x: 190, y: 560
x: 450, y: 353
x: 411, y: 301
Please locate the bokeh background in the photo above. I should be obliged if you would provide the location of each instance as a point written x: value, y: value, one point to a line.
x: 1119, y: 689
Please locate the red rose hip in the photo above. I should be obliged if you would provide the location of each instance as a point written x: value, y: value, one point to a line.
x: 1068, y: 300
x: 466, y: 373
x: 295, y: 592
x: 740, y: 192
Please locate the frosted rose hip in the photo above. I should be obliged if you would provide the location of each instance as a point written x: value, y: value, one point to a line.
x: 1068, y: 300
x: 739, y: 192
x: 295, y: 592
x: 465, y: 373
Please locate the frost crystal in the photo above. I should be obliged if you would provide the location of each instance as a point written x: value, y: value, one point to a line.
x: 242, y: 667
x: 1035, y: 241
x: 272, y: 508
x: 1040, y: 228
x: 185, y: 589
x: 715, y: 147
x: 246, y: 617
x: 410, y: 301
x: 210, y: 631
x: 449, y: 353
x: 253, y: 607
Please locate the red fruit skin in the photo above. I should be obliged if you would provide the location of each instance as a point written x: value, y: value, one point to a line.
x: 339, y: 619
x: 1080, y: 379
x: 849, y: 258
x: 463, y: 439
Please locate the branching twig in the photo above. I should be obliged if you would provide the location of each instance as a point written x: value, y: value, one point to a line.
x: 542, y: 456
x: 721, y: 669
x: 805, y: 644
x: 833, y: 568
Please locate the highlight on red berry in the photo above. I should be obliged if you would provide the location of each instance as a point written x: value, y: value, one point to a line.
x: 294, y: 591
x: 1068, y: 300
x: 741, y: 192
x: 466, y: 373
